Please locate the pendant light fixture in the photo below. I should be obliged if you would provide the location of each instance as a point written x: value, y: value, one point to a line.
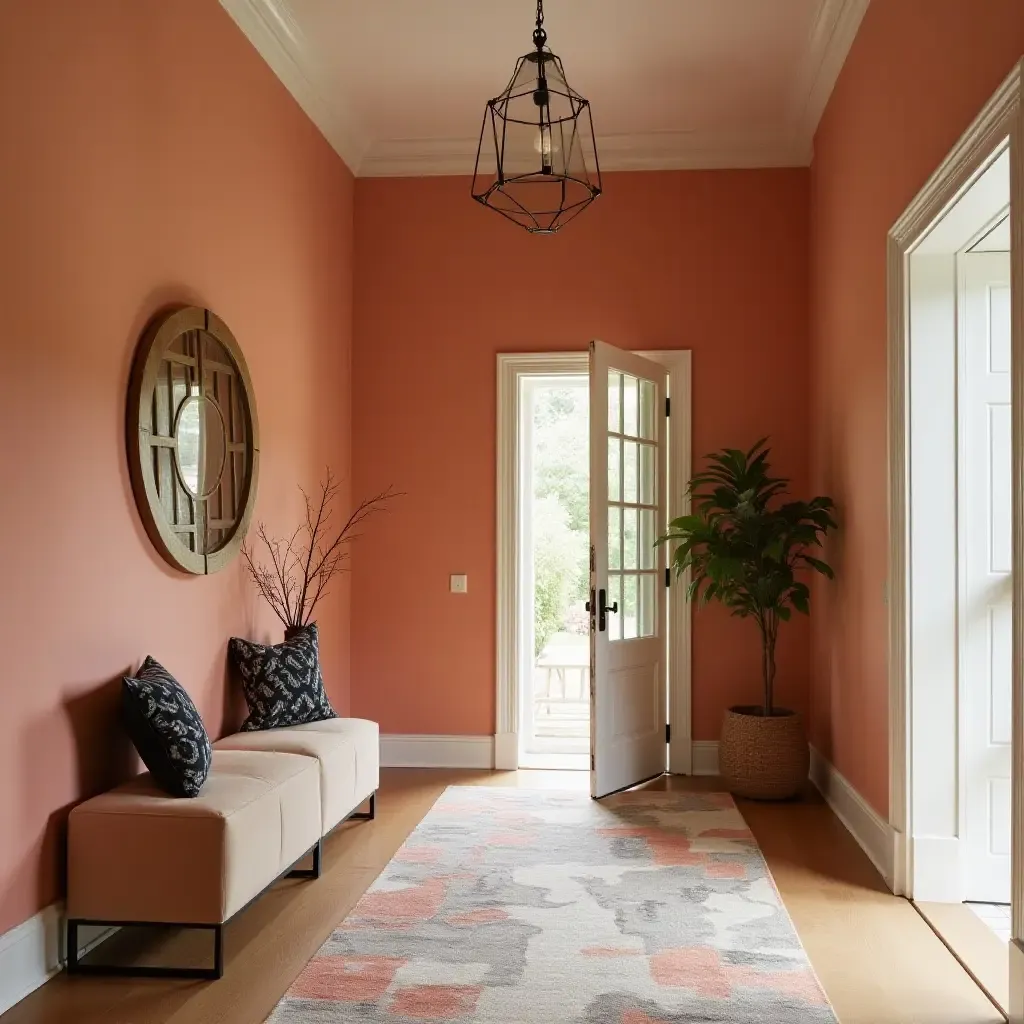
x: 539, y: 136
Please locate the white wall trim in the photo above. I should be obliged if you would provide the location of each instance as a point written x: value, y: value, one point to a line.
x: 30, y: 955
x: 651, y: 151
x: 832, y: 37
x: 679, y: 364
x: 862, y: 821
x: 969, y: 159
x: 412, y: 751
x: 271, y: 27
x: 704, y: 757
x: 512, y: 369
x: 33, y: 952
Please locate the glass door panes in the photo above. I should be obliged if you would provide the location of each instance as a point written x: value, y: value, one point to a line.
x: 632, y: 506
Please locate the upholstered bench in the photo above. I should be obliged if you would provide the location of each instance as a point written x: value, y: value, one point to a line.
x: 139, y: 856
x: 347, y: 750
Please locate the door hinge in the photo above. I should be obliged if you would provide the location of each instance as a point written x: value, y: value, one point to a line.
x: 668, y: 732
x: 591, y: 762
x: 668, y: 577
x: 668, y: 406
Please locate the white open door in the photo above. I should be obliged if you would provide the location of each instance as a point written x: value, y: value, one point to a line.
x: 628, y: 469
x: 987, y: 606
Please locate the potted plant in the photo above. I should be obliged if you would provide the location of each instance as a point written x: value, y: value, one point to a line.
x: 746, y: 548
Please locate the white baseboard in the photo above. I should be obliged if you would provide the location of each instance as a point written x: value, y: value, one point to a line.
x: 30, y: 955
x: 409, y: 751
x: 704, y: 757
x: 874, y: 835
x: 506, y: 751
x: 33, y: 952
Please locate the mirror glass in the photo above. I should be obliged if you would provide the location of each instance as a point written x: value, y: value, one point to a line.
x: 201, y: 446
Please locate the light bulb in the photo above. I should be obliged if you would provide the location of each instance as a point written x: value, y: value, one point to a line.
x: 546, y: 141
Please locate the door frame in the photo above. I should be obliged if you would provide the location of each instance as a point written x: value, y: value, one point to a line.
x: 1001, y: 118
x: 512, y: 368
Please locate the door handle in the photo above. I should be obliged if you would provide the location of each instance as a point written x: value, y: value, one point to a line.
x: 603, y: 609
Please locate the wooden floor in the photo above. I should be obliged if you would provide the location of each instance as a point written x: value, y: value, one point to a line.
x: 878, y: 960
x: 983, y: 954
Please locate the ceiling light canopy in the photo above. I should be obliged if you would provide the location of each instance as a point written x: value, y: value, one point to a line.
x: 538, y: 136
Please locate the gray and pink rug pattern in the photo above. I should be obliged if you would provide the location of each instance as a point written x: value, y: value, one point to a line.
x: 513, y: 906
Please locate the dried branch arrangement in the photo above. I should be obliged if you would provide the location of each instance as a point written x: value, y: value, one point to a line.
x: 298, y: 569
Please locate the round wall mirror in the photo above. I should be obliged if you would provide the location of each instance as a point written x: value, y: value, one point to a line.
x: 193, y: 439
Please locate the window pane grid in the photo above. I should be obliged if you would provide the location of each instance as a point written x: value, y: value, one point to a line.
x: 633, y: 576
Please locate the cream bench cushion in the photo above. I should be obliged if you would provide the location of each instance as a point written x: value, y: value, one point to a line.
x: 348, y: 752
x: 138, y: 854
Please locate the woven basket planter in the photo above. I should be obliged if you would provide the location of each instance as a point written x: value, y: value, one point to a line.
x: 763, y: 758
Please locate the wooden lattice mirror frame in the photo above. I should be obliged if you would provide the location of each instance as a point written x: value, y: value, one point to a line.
x: 193, y: 439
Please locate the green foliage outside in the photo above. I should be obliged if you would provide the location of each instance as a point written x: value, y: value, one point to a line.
x: 561, y: 511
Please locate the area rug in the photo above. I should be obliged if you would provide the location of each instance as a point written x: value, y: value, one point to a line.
x: 510, y: 906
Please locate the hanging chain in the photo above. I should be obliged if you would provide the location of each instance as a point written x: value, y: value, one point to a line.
x: 540, y: 37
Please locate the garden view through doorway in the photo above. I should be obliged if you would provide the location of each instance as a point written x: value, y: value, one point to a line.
x: 555, y: 523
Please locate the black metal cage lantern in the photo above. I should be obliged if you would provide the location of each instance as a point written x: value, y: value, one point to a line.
x: 541, y: 136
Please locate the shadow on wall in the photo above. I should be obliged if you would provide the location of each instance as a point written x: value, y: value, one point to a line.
x: 234, y: 709
x: 159, y: 301
x: 103, y: 757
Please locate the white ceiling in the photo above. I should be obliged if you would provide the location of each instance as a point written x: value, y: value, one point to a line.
x: 398, y: 87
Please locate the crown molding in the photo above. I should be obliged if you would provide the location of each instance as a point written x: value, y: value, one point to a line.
x: 650, y: 151
x: 832, y: 37
x: 271, y: 28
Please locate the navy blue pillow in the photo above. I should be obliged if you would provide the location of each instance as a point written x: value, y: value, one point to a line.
x: 283, y: 685
x: 167, y: 729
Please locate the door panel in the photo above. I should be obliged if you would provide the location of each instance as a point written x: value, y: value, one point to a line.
x: 628, y: 451
x: 986, y: 612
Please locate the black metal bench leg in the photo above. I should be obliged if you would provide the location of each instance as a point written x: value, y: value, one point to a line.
x: 218, y: 951
x: 72, y: 947
x: 77, y: 966
x: 367, y: 815
x: 316, y: 869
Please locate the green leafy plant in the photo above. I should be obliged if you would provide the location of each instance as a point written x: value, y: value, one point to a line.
x: 747, y: 549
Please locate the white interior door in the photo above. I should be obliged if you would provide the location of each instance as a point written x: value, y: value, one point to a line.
x: 628, y: 468
x: 986, y: 592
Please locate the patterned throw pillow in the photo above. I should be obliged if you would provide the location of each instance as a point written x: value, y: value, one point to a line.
x: 166, y: 729
x: 282, y: 684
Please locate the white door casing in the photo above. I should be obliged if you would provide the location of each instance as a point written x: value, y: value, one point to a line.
x: 1001, y: 120
x: 514, y: 370
x: 986, y: 594
x: 628, y: 474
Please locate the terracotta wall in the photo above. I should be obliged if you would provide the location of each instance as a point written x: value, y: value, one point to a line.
x: 918, y: 73
x: 714, y: 262
x: 147, y: 156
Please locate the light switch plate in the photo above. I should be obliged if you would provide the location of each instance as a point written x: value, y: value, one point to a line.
x: 458, y: 583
